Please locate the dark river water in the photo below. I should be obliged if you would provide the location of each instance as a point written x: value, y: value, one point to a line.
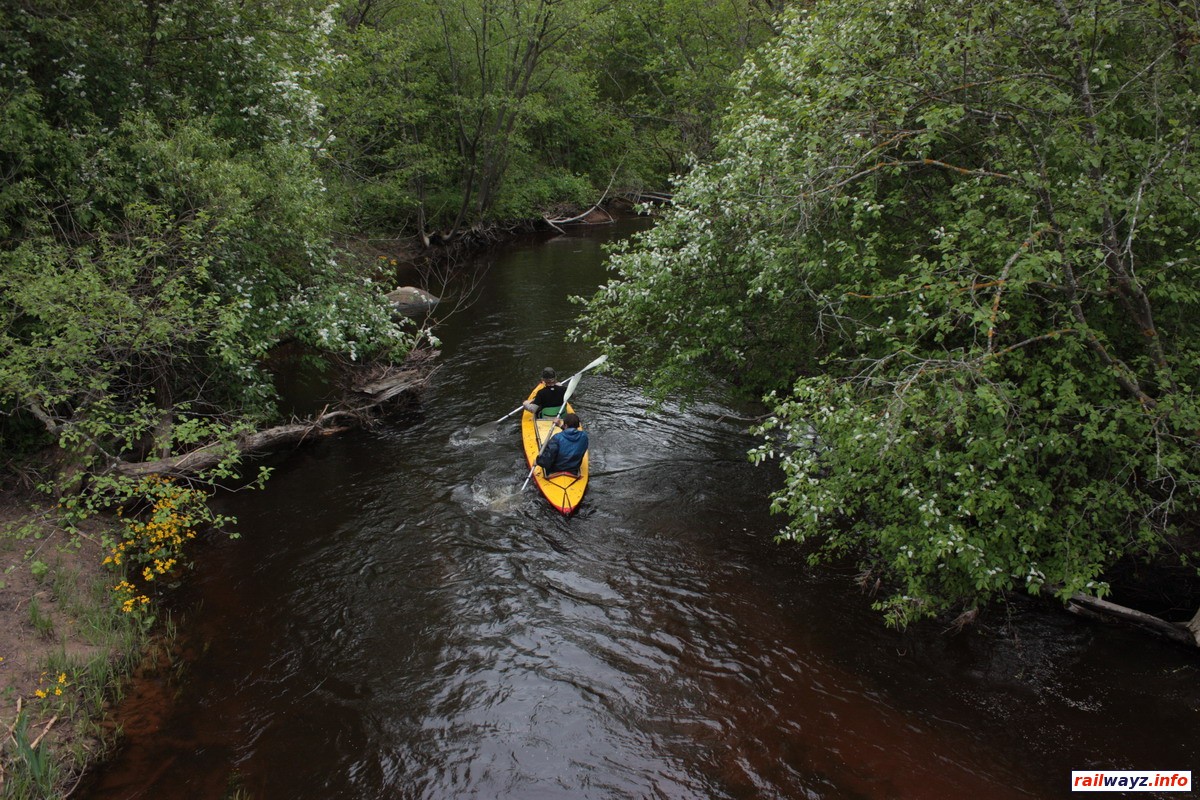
x: 395, y: 623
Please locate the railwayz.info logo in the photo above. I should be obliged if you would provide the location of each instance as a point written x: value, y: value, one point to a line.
x: 1131, y: 781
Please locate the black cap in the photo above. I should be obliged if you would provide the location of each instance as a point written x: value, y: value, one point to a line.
x: 549, y: 374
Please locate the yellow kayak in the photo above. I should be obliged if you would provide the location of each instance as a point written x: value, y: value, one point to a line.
x: 563, y: 490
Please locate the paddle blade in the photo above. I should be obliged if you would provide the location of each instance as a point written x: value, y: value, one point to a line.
x: 487, y: 430
x: 571, y: 384
x: 595, y: 363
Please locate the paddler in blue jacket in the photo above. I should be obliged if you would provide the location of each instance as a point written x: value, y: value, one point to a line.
x: 565, y: 451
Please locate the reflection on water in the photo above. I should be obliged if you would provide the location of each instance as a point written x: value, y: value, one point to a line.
x: 398, y: 620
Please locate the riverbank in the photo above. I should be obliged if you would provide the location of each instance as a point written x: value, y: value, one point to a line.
x: 65, y: 649
x: 68, y: 641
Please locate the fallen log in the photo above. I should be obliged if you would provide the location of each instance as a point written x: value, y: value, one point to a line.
x: 384, y: 386
x: 651, y: 197
x: 593, y: 216
x: 203, y: 458
x: 1096, y: 608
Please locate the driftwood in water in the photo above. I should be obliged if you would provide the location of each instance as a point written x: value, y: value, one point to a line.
x: 593, y: 216
x: 380, y: 388
x: 1183, y: 633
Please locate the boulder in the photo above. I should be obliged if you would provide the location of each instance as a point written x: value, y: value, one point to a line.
x: 411, y: 301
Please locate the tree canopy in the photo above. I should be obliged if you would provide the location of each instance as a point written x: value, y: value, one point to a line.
x: 180, y: 178
x: 955, y: 245
x: 163, y: 221
x: 454, y: 115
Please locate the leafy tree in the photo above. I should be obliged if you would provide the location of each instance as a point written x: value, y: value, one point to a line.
x: 670, y: 67
x: 455, y: 114
x: 445, y: 122
x: 956, y: 245
x: 163, y: 222
x: 387, y: 159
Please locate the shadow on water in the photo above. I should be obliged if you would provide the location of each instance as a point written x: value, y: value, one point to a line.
x: 397, y: 620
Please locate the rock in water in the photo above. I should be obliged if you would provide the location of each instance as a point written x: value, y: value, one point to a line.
x: 411, y: 301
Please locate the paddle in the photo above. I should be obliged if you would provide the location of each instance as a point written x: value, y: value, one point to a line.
x: 488, y: 428
x: 571, y: 384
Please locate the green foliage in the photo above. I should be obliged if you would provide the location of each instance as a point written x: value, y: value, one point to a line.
x: 669, y: 67
x: 435, y: 121
x: 491, y: 111
x: 152, y: 545
x: 39, y: 569
x: 165, y: 224
x: 35, y: 773
x: 956, y: 248
x: 383, y: 103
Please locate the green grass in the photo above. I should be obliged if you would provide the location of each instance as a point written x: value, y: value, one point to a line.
x: 92, y: 647
x: 34, y: 773
x: 41, y: 622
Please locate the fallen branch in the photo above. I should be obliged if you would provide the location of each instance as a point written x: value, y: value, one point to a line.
x: 356, y: 411
x: 33, y: 745
x: 1102, y: 609
x: 207, y: 457
x: 651, y: 197
x: 53, y: 427
x: 389, y: 385
x: 554, y: 223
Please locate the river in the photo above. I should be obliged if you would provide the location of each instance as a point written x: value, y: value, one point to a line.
x: 396, y: 621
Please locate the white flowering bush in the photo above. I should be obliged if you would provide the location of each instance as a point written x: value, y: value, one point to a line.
x: 165, y: 223
x: 955, y: 245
